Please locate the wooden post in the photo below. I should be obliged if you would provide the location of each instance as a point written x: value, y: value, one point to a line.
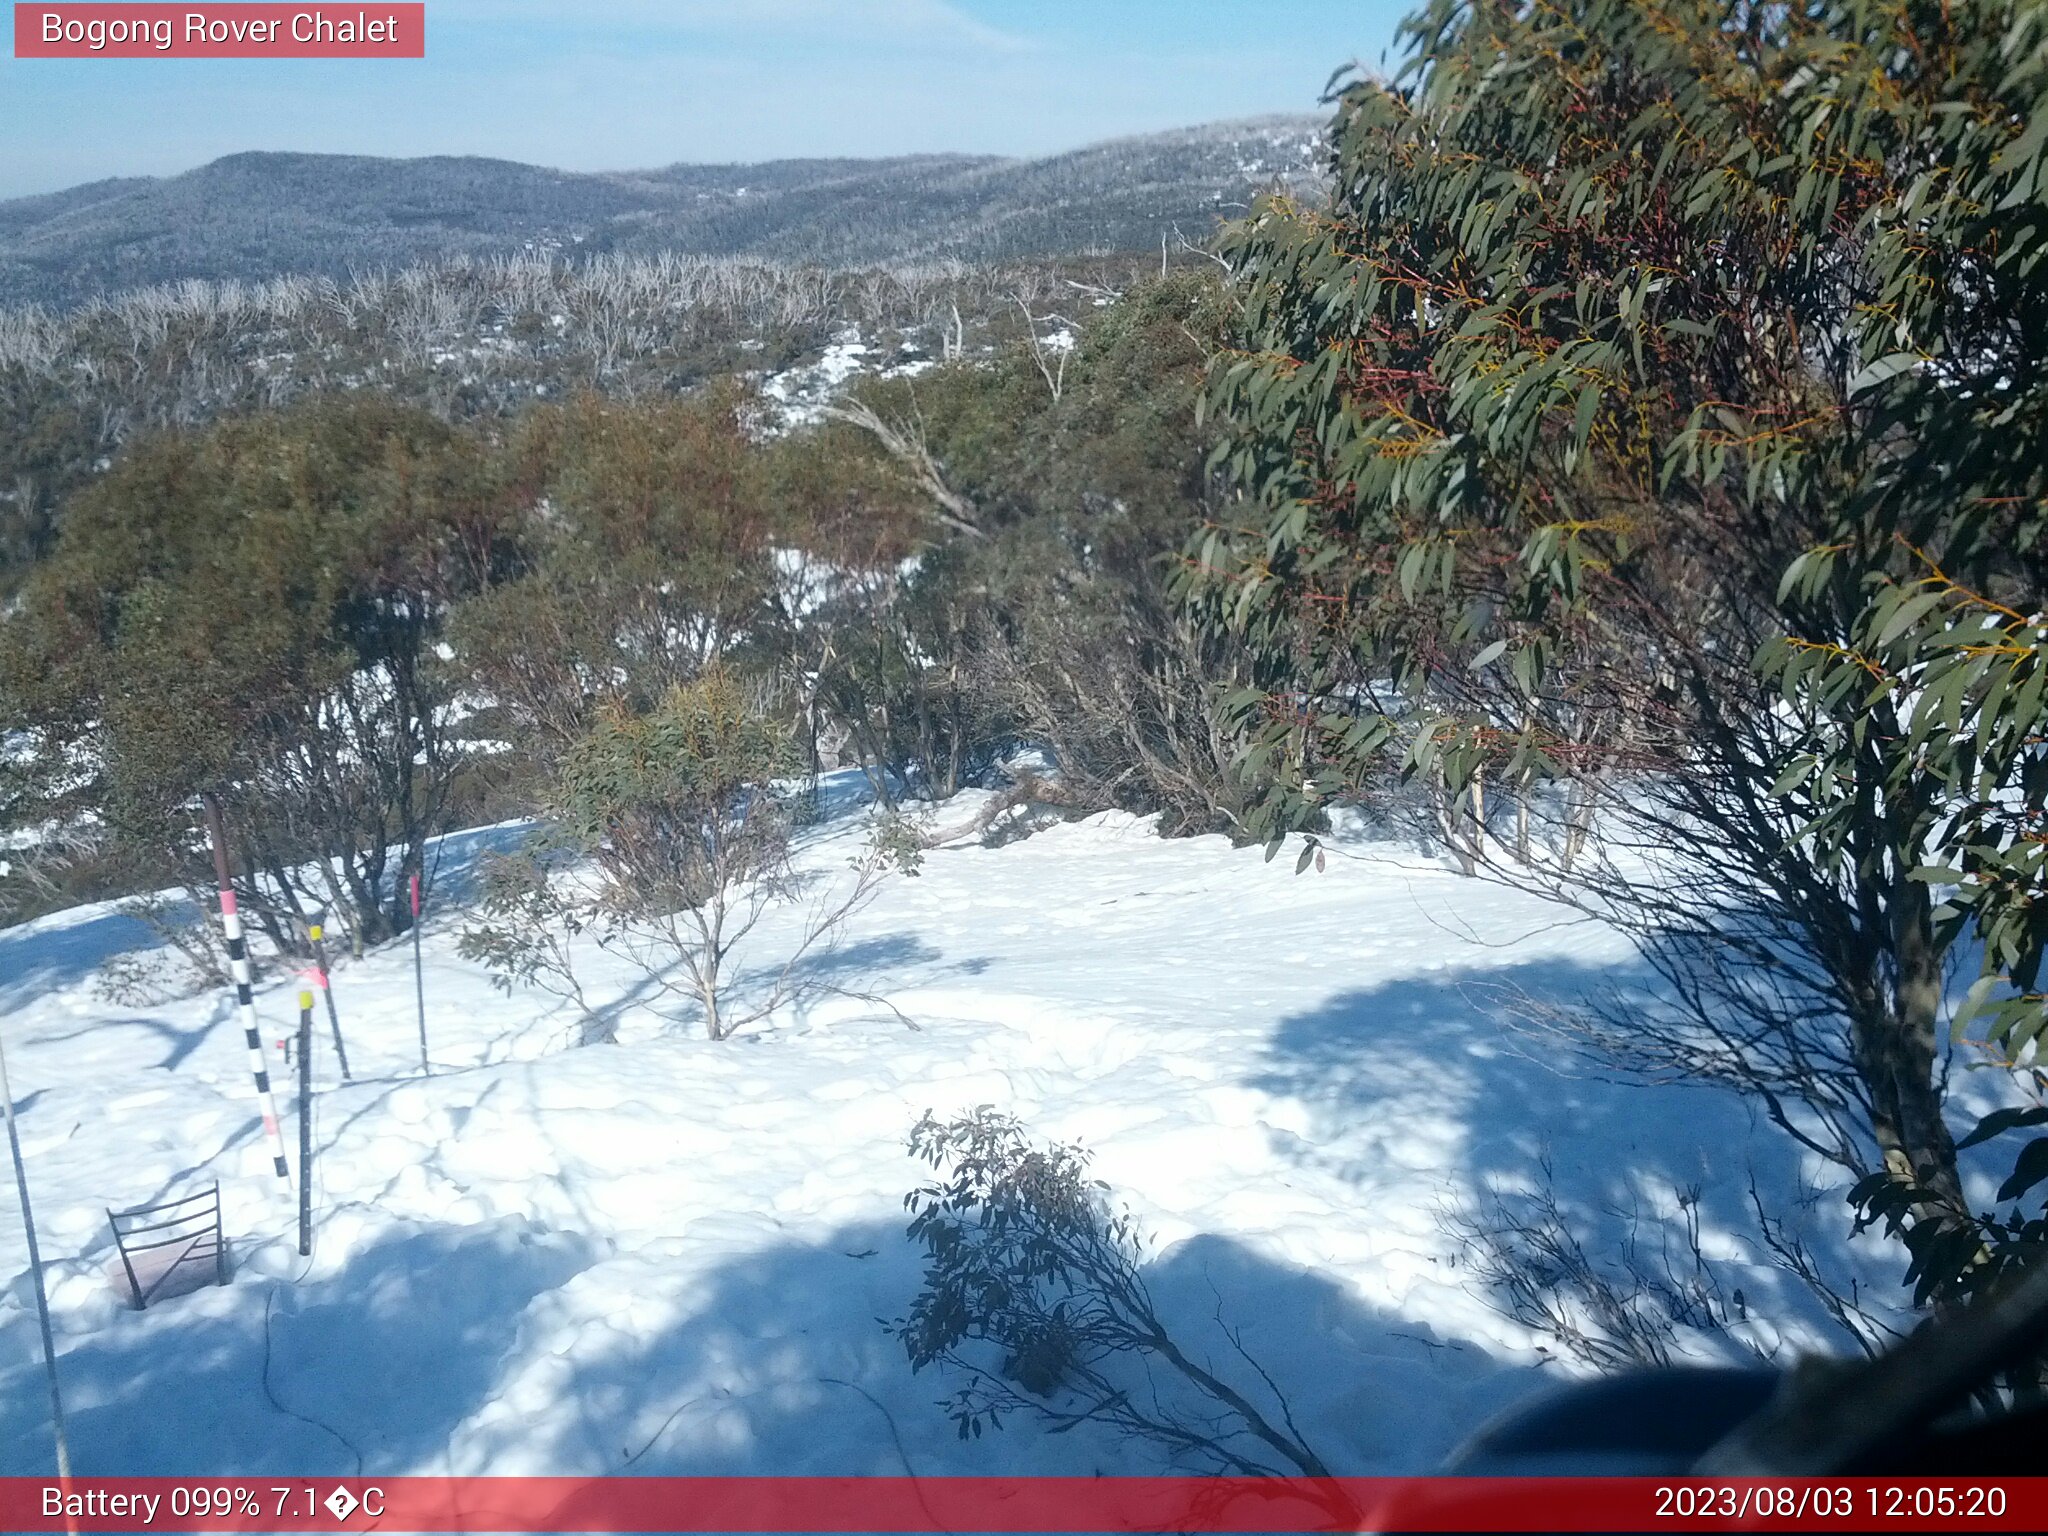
x: 305, y: 1123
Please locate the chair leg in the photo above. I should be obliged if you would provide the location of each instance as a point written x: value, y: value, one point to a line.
x: 134, y: 1285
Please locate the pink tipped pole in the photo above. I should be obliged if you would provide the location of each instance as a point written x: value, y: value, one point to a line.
x: 314, y: 932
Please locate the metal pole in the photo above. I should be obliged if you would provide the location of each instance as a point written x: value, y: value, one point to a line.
x: 238, y: 966
x: 419, y: 977
x: 35, y: 1268
x: 305, y: 1123
x: 314, y: 931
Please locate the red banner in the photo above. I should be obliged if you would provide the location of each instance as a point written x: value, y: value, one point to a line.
x: 267, y: 31
x: 1022, y: 1505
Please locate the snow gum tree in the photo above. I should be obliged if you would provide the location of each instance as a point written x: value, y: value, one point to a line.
x: 643, y: 531
x: 1624, y: 440
x: 253, y: 612
x: 678, y: 812
x: 1051, y: 475
x: 678, y: 809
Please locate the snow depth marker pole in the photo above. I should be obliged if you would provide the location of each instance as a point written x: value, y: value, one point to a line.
x: 306, y: 1123
x: 238, y: 967
x: 313, y: 935
x: 35, y: 1269
x: 419, y: 977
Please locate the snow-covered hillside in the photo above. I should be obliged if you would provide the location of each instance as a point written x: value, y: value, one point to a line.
x: 672, y: 1255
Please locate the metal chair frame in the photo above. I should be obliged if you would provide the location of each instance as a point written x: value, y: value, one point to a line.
x: 195, y: 1232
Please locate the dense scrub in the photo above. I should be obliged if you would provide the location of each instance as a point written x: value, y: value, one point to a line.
x: 358, y: 623
x: 468, y: 340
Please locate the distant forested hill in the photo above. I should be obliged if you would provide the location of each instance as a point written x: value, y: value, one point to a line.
x: 260, y: 215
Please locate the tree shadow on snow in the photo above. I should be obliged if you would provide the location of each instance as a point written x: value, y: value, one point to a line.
x: 871, y: 959
x: 867, y: 968
x: 54, y: 952
x: 782, y: 1366
x: 509, y: 1348
x: 383, y: 1358
x: 457, y: 858
x: 863, y: 956
x: 178, y: 1043
x: 1428, y: 1077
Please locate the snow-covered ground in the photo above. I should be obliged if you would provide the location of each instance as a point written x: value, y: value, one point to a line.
x: 800, y: 396
x: 672, y: 1255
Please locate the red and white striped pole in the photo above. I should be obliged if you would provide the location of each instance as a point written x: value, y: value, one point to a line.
x: 238, y: 968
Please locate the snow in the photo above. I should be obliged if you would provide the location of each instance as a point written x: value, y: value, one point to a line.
x: 808, y: 582
x: 670, y: 1255
x: 801, y: 394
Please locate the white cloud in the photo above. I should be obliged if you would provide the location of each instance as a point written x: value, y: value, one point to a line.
x: 896, y: 22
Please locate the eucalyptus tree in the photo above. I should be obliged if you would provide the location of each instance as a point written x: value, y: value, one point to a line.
x: 254, y: 612
x: 1629, y: 437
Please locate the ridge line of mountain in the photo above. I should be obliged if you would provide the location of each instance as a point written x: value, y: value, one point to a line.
x: 259, y: 214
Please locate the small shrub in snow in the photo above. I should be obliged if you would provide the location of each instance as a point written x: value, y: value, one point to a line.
x: 900, y: 845
x: 1629, y: 1304
x: 686, y: 845
x: 1033, y: 1292
x: 529, y: 932
x: 190, y: 956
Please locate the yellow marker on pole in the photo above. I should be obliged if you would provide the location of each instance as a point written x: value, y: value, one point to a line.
x: 314, y: 933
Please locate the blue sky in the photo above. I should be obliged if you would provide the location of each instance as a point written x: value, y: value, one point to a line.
x: 618, y: 84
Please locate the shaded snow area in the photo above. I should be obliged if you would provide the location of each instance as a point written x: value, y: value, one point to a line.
x: 671, y: 1255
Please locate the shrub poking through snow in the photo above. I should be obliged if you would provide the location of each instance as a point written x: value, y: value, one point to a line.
x: 1649, y: 1297
x: 1034, y: 1292
x: 529, y: 934
x: 685, y: 843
